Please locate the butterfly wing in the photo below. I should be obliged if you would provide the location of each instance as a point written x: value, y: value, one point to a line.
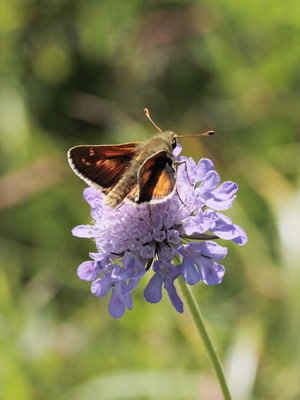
x: 156, y: 179
x: 101, y: 166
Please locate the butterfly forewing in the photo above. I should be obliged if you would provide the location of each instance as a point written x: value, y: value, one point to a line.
x: 102, y: 166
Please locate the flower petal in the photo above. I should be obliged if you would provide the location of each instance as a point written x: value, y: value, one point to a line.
x: 200, y: 223
x: 129, y: 301
x: 173, y: 296
x: 212, y: 250
x: 167, y: 253
x: 219, y: 205
x: 101, y: 286
x: 83, y: 231
x: 242, y: 238
x: 226, y: 190
x: 132, y: 284
x: 203, y: 167
x: 177, y: 150
x: 117, y: 302
x: 211, y: 180
x: 189, y: 272
x: 225, y: 229
x: 212, y: 273
x: 89, y: 270
x: 152, y: 292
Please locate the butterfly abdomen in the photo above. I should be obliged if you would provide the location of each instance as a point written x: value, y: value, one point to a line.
x: 124, y: 186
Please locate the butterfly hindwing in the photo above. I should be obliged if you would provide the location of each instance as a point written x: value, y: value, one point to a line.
x: 102, y: 166
x: 156, y: 179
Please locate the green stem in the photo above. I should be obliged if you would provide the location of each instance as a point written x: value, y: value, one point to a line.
x: 198, y: 319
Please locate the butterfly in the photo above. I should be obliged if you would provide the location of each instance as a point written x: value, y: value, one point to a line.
x: 138, y: 172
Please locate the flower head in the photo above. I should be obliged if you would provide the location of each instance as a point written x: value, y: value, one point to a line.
x: 133, y: 239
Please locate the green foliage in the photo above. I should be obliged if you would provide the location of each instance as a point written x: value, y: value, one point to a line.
x: 81, y: 72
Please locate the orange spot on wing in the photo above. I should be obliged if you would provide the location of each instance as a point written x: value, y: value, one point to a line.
x: 163, y: 185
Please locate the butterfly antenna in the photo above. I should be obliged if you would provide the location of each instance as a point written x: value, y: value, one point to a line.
x: 146, y: 111
x: 208, y: 133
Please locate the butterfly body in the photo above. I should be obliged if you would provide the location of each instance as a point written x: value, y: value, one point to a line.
x: 137, y: 172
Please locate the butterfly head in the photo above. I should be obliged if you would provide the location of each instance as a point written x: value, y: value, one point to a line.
x: 170, y: 138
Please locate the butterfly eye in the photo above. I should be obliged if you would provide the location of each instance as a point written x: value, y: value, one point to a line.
x: 174, y: 143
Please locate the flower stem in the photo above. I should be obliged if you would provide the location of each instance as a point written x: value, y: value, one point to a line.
x: 210, y: 348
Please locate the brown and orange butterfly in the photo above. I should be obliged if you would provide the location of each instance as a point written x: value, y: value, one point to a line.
x: 139, y: 171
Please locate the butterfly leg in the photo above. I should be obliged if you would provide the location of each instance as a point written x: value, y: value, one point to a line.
x: 180, y: 197
x: 150, y: 213
x: 177, y: 163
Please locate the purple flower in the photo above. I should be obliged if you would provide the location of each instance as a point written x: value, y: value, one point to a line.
x: 198, y: 262
x: 165, y: 274
x: 131, y: 239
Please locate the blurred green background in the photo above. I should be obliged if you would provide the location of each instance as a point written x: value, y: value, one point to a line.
x: 80, y: 72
